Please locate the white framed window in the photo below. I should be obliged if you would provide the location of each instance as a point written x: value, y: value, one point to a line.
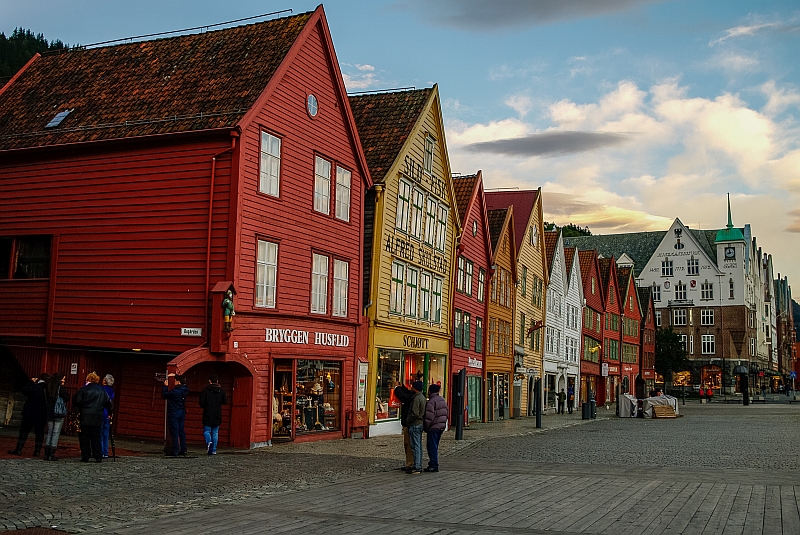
x: 658, y: 318
x: 269, y: 181
x: 417, y: 207
x: 436, y: 300
x: 403, y: 205
x: 693, y: 266
x: 322, y: 185
x: 468, y: 277
x: 707, y: 316
x: 466, y: 333
x: 425, y: 296
x: 430, y: 221
x: 441, y: 228
x: 481, y: 284
x: 412, y: 282
x: 343, y: 182
x: 731, y: 289
x: 340, y: 287
x: 524, y: 281
x: 460, y: 273
x: 679, y: 316
x: 684, y: 343
x: 680, y: 291
x: 691, y: 344
x: 479, y: 335
x: 666, y: 268
x: 266, y: 274
x: 752, y: 347
x: 707, y: 290
x: 319, y: 284
x: 457, y: 328
x: 427, y: 162
x: 656, y: 292
x: 707, y: 344
x: 397, y: 288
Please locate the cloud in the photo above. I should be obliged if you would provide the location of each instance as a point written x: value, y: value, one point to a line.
x: 502, y: 14
x: 779, y: 99
x: 732, y: 62
x: 522, y: 104
x: 365, y: 67
x: 549, y: 144
x: 753, y: 29
x: 358, y: 81
x: 794, y: 227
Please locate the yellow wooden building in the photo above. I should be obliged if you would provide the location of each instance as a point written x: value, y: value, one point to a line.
x: 500, y: 312
x: 411, y: 226
x: 531, y: 292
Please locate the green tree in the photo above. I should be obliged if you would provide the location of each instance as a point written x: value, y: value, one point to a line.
x: 570, y: 229
x: 670, y: 353
x: 22, y: 45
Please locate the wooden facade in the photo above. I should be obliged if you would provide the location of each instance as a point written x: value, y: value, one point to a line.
x: 151, y: 219
x: 612, y: 332
x: 647, y: 346
x: 592, y: 341
x: 630, y: 325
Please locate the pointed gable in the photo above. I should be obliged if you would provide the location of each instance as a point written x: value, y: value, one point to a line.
x: 464, y: 187
x: 569, y: 255
x: 384, y: 122
x: 523, y: 203
x: 193, y: 82
x: 497, y: 219
x: 550, y: 242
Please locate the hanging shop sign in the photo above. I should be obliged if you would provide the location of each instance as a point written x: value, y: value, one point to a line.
x: 294, y: 336
x: 604, y: 369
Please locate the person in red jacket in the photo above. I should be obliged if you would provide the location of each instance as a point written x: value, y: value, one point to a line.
x: 434, y: 424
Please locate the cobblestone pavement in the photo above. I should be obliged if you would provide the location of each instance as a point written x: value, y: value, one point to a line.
x: 720, y: 469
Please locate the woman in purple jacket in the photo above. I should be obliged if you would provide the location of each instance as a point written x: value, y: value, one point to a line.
x: 434, y: 425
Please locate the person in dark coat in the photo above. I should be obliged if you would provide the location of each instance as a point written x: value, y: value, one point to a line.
x: 415, y: 421
x: 105, y: 429
x: 90, y: 401
x: 562, y: 400
x: 212, y: 398
x: 54, y: 391
x: 434, y: 424
x: 405, y: 395
x: 176, y: 412
x: 34, y: 415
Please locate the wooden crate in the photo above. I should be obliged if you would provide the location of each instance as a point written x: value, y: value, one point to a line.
x: 663, y: 411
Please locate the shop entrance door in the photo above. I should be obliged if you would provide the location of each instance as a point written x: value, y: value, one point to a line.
x: 492, y: 410
x: 241, y: 403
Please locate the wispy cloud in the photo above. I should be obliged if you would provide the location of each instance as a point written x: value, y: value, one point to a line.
x: 549, y: 144
x: 733, y: 62
x: 752, y: 29
x: 503, y: 14
x: 522, y: 104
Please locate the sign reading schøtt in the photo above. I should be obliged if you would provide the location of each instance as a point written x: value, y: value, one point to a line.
x: 415, y: 342
x: 294, y: 336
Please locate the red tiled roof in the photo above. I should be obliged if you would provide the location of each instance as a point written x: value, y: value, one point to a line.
x: 496, y: 220
x: 384, y: 121
x: 550, y: 240
x: 187, y: 83
x: 464, y: 186
x: 605, y: 270
x: 569, y: 255
x: 623, y: 276
x: 523, y: 203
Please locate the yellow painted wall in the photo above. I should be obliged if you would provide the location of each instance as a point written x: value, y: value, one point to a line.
x: 504, y: 258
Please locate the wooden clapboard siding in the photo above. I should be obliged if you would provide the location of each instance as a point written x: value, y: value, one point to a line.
x: 25, y: 302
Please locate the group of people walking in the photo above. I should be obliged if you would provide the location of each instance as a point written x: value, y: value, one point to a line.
x: 212, y: 398
x: 418, y: 414
x: 45, y: 410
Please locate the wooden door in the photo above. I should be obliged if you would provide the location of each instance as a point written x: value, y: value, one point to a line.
x: 241, y: 411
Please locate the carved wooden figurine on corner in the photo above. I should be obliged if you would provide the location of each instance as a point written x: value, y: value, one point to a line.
x: 227, y: 311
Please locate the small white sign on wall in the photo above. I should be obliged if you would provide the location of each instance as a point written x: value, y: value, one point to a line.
x: 73, y: 368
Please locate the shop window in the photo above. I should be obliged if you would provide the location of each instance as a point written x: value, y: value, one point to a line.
x: 319, y: 396
x: 682, y: 379
x: 322, y: 185
x: 25, y: 257
x: 266, y: 274
x: 319, y: 284
x: 343, y: 183
x: 388, y: 369
x: 270, y: 165
x: 340, y: 287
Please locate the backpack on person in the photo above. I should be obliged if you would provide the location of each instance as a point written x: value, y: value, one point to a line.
x: 60, y: 406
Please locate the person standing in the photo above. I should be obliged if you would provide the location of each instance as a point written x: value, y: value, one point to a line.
x: 435, y: 422
x: 176, y: 413
x: 105, y: 429
x: 416, y: 419
x: 570, y: 398
x: 34, y: 415
x: 57, y: 399
x: 405, y: 395
x: 90, y: 401
x: 562, y: 399
x: 212, y: 398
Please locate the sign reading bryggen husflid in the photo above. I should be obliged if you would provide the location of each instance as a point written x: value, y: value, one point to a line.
x: 412, y: 245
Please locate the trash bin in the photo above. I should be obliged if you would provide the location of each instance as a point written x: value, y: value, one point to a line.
x: 586, y: 410
x: 593, y: 405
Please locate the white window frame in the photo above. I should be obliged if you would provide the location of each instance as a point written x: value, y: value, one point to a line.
x: 707, y: 291
x: 266, y: 273
x: 680, y: 291
x: 468, y: 273
x: 341, y: 280
x: 436, y: 300
x: 412, y: 289
x: 425, y: 296
x: 319, y: 283
x: 693, y: 266
x: 679, y: 317
x: 658, y: 318
x: 397, y: 288
x: 430, y: 220
x: 402, y: 216
x: 322, y: 185
x: 460, y: 273
x: 269, y: 172
x: 417, y: 213
x: 343, y: 186
x: 656, y: 293
x: 441, y: 227
x: 707, y: 316
x: 667, y: 269
x: 708, y: 346
x: 427, y: 159
x: 481, y: 285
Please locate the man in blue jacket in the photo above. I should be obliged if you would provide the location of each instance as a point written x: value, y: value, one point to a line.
x: 176, y: 412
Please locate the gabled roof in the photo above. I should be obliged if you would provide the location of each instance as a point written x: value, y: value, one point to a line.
x: 623, y: 274
x: 464, y: 187
x: 569, y: 254
x: 384, y: 121
x: 550, y: 241
x: 644, y: 299
x: 523, y: 203
x: 588, y: 258
x: 497, y: 219
x: 179, y: 84
x: 605, y: 271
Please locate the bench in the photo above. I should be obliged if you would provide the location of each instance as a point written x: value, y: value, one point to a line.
x: 762, y: 399
x: 663, y: 411
x: 732, y: 400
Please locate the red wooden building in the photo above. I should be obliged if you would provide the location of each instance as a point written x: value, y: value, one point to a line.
x: 474, y: 263
x: 147, y: 180
x: 612, y: 332
x: 630, y: 321
x: 592, y: 342
x: 647, y: 347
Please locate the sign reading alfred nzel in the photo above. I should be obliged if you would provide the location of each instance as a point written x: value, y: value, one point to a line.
x: 294, y: 336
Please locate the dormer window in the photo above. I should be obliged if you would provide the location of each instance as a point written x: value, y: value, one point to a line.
x: 60, y: 116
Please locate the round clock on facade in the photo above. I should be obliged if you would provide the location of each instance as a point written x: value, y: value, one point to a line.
x: 474, y: 228
x: 730, y: 253
x: 312, y: 105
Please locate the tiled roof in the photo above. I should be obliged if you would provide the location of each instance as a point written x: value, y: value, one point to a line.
x: 640, y: 246
x: 623, y: 273
x: 644, y: 298
x: 586, y: 259
x: 569, y: 255
x: 384, y: 121
x: 496, y: 220
x: 464, y: 185
x: 523, y: 203
x: 192, y: 82
x: 605, y: 271
x: 550, y: 240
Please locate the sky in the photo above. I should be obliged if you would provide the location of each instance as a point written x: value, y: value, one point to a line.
x: 627, y: 113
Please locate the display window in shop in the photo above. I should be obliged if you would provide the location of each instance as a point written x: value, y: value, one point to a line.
x: 396, y: 367
x: 307, y: 397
